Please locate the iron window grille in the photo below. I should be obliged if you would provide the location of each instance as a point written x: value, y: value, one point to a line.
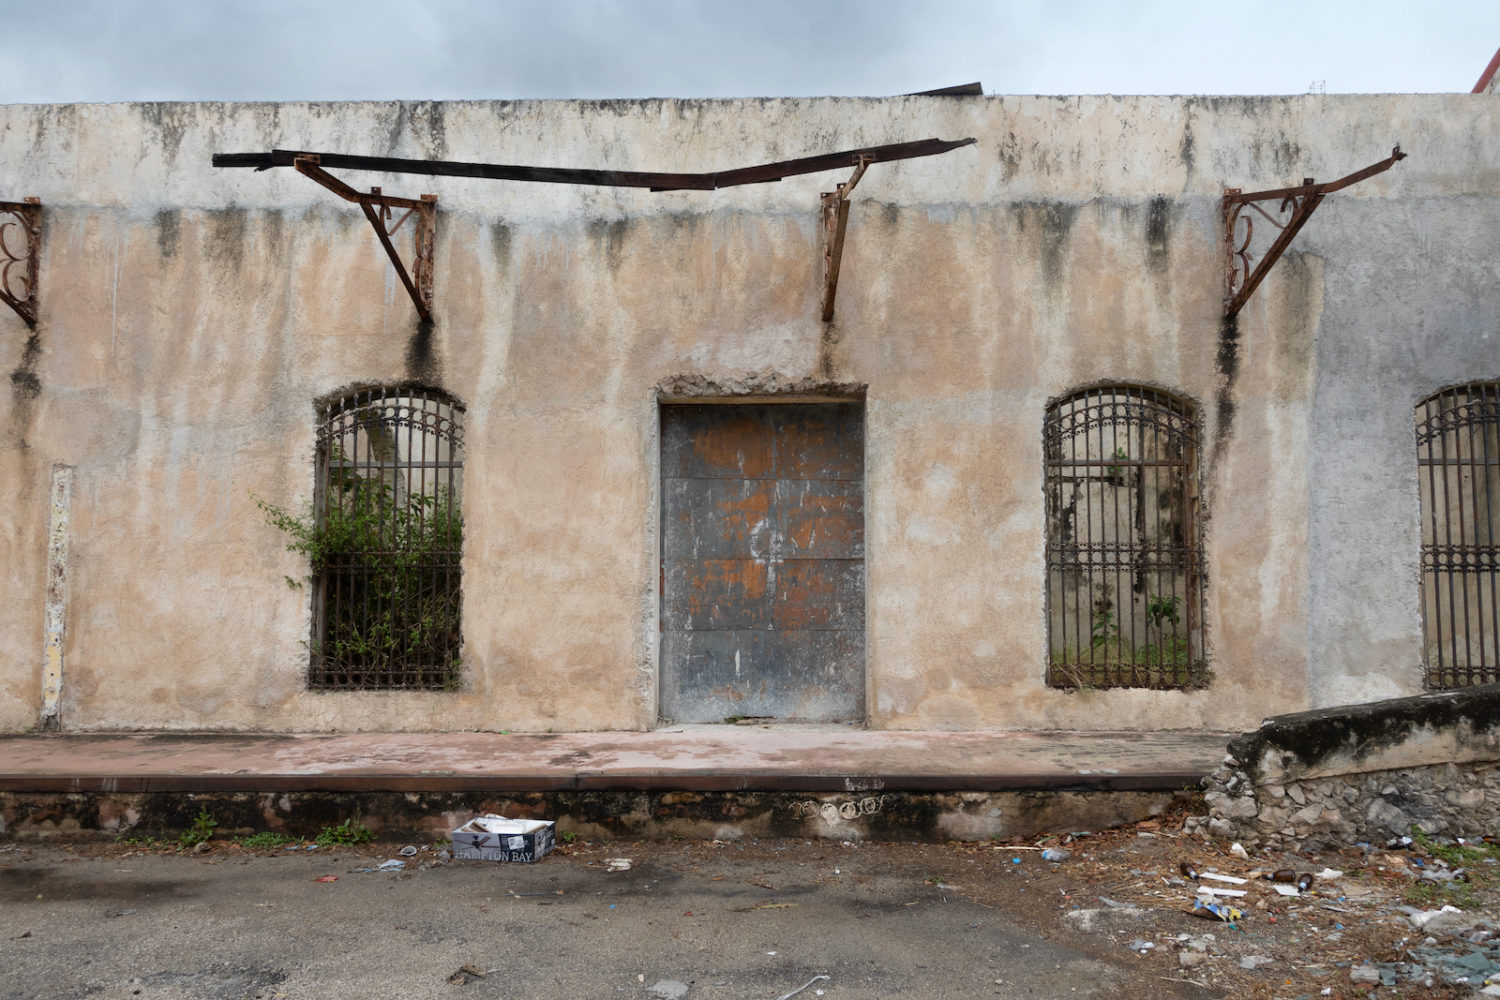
x: 1125, y: 583
x: 1458, y: 465
x: 386, y: 573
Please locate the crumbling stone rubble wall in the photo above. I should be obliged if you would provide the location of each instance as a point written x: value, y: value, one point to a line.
x: 1333, y: 777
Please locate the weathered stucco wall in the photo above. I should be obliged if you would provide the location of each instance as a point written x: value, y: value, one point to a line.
x: 191, y: 316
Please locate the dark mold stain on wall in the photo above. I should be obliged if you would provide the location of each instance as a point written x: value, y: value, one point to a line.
x: 227, y: 228
x: 168, y: 231
x: 1158, y: 233
x: 422, y: 362
x: 26, y: 385
x: 1050, y: 224
x: 1228, y: 360
x: 611, y: 234
x: 500, y: 244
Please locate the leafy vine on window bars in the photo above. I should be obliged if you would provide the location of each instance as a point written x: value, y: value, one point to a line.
x: 383, y: 541
x: 1124, y: 557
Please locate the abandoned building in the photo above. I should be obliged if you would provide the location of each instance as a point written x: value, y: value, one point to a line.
x: 945, y: 412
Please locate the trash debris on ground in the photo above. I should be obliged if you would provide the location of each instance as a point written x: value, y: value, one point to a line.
x: 409, y: 851
x: 788, y: 996
x: 326, y: 878
x: 496, y: 838
x: 468, y: 974
x: 617, y: 864
x: 1055, y: 854
x: 1238, y: 850
x: 1217, y: 911
x: 1216, y: 877
x: 393, y: 865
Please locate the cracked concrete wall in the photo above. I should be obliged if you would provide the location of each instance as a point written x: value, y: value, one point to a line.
x: 190, y: 316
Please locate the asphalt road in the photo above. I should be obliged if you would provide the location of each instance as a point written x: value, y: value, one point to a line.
x: 700, y: 921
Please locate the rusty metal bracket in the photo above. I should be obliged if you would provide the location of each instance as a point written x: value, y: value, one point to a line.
x: 835, y: 221
x: 1297, y: 206
x: 377, y: 208
x: 20, y: 244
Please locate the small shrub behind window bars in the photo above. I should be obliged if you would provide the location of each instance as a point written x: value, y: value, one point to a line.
x: 1124, y: 556
x: 386, y: 574
x: 1458, y: 466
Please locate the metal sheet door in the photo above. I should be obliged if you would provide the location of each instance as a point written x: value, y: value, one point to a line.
x: 763, y: 577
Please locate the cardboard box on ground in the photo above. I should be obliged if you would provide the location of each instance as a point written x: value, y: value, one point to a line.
x: 496, y: 838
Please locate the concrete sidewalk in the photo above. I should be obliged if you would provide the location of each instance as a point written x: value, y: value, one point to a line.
x: 698, y: 781
x: 688, y: 758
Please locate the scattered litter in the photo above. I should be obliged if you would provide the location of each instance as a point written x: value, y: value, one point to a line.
x: 1252, y: 962
x: 393, y: 865
x: 1188, y: 870
x: 617, y: 864
x: 119, y: 913
x: 1116, y: 903
x: 668, y: 989
x: 408, y: 851
x: 1436, y: 920
x: 1238, y: 850
x: 788, y: 996
x: 1304, y: 881
x: 326, y: 878
x: 1286, y: 890
x: 468, y: 974
x: 1141, y: 945
x: 1208, y: 890
x: 1216, y: 877
x: 1056, y: 854
x: 1217, y: 911
x: 1329, y: 873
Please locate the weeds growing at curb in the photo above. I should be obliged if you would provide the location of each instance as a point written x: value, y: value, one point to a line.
x: 201, y: 831
x: 350, y: 831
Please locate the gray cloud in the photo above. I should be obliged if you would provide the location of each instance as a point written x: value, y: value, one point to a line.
x: 383, y: 49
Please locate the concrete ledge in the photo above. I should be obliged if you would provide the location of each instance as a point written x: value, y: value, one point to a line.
x: 1441, y: 727
x: 1363, y: 773
x: 694, y: 781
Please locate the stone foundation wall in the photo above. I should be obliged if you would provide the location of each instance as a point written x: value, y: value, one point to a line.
x: 1335, y: 777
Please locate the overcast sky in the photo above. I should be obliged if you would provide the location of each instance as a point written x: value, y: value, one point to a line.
x: 264, y: 50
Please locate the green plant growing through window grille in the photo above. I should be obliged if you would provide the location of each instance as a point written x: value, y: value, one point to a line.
x: 1105, y: 632
x: 391, y: 551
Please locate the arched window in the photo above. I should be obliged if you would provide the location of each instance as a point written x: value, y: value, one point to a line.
x: 1458, y: 466
x: 1124, y: 556
x: 390, y: 530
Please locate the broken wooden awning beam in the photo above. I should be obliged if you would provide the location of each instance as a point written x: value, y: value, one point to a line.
x: 377, y: 208
x: 655, y: 181
x: 1297, y: 206
x: 835, y: 222
x: 20, y: 256
x: 418, y: 285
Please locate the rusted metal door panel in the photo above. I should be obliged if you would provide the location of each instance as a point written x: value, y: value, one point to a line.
x: 762, y: 605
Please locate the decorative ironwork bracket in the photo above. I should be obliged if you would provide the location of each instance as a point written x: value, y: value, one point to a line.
x: 1297, y: 205
x: 27, y: 217
x: 377, y: 208
x: 835, y: 221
